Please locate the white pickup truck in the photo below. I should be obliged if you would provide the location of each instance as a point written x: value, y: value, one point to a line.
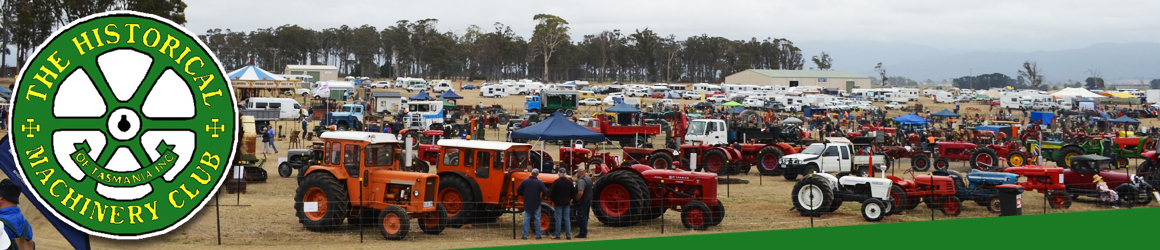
x: 836, y: 154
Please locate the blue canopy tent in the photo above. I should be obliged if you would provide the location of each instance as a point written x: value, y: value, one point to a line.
x: 450, y: 95
x: 945, y: 113
x: 736, y: 110
x: 556, y: 127
x: 622, y: 109
x: 1044, y: 117
x: 422, y: 96
x: 1124, y: 119
x: 75, y: 238
x: 911, y: 119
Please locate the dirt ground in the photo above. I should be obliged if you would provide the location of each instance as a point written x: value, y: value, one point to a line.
x: 264, y: 217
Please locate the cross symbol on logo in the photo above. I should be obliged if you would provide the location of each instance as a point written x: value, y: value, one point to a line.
x: 28, y: 127
x: 215, y: 128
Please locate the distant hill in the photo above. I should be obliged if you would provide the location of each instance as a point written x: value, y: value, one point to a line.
x: 1114, y: 60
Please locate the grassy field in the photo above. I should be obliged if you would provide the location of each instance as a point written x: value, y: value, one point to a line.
x: 266, y: 218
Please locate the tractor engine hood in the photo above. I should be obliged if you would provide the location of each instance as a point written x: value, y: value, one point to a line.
x: 680, y: 177
x: 992, y: 177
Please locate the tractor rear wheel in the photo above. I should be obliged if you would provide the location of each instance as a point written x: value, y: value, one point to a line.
x: 321, y: 202
x: 696, y: 215
x: 414, y: 135
x: 812, y: 196
x: 920, y: 163
x: 685, y: 164
x: 1059, y: 199
x: 456, y: 195
x: 873, y: 210
x: 434, y: 222
x: 394, y: 223
x: 767, y: 160
x: 984, y: 159
x: 1066, y: 154
x: 284, y: 170
x: 420, y: 166
x: 661, y: 160
x: 995, y: 206
x: 898, y: 197
x: 951, y: 205
x: 718, y: 213
x: 716, y: 161
x: 1016, y: 159
x: 942, y: 164
x: 620, y: 199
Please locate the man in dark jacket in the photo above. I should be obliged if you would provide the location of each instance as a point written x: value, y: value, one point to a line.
x: 532, y: 189
x: 562, y: 193
x: 583, y: 201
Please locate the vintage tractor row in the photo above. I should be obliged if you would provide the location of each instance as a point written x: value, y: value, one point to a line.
x: 479, y: 180
x: 359, y: 181
x: 1120, y: 149
x: 820, y: 193
x: 947, y: 190
x: 946, y: 152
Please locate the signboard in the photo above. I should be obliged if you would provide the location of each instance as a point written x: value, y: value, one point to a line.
x: 821, y: 79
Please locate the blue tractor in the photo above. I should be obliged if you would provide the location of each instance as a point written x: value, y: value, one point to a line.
x: 979, y: 186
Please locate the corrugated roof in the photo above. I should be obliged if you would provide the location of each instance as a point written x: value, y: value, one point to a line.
x: 806, y: 73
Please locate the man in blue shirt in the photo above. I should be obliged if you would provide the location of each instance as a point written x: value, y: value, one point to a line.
x: 304, y: 124
x: 14, y: 223
x: 532, y: 189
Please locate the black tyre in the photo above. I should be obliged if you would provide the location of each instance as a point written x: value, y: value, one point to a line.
x: 342, y: 126
x: 394, y: 223
x: 873, y: 210
x: 620, y: 199
x: 547, y: 218
x: 716, y: 161
x: 1129, y: 195
x: 767, y: 160
x: 812, y: 196
x: 951, y: 205
x: 1066, y: 154
x: 983, y: 156
x: 684, y: 164
x: 920, y: 163
x: 434, y: 222
x: 593, y: 166
x: 325, y: 193
x: 696, y: 215
x: 994, y: 205
x: 898, y: 198
x: 718, y: 213
x: 661, y: 160
x: 285, y: 170
x: 420, y: 166
x: 458, y: 198
x: 942, y: 164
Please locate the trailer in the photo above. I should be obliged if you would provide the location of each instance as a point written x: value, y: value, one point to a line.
x: 628, y: 136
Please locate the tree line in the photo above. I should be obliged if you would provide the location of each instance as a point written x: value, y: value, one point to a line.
x: 419, y: 49
x: 25, y: 24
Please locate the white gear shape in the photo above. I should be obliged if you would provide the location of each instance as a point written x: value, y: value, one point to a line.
x: 128, y: 142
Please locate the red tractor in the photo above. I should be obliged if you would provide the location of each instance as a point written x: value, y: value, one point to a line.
x: 964, y: 151
x: 934, y: 190
x: 628, y: 195
x: 598, y: 164
x: 1007, y: 151
x: 1045, y: 180
x: 919, y: 158
x: 720, y: 151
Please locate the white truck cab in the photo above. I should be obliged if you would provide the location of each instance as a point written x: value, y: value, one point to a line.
x: 707, y: 131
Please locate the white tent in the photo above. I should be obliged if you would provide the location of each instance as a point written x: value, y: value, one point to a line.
x: 1075, y: 92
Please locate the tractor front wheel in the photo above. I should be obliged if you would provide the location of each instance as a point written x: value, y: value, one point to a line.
x: 434, y: 222
x: 942, y: 164
x: 716, y: 161
x: 1016, y: 159
x: 661, y: 160
x: 994, y: 205
x: 420, y: 166
x: 1059, y: 199
x: 984, y: 159
x: 696, y: 215
x: 321, y: 202
x: 284, y: 170
x: 394, y: 223
x: 547, y: 218
x: 873, y: 210
x: 951, y: 205
x: 920, y: 163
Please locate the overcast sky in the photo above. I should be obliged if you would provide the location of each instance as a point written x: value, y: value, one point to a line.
x: 986, y: 25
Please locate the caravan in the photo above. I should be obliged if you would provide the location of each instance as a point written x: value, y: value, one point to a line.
x: 288, y: 108
x: 1010, y: 100
x: 442, y: 86
x: 494, y: 91
x: 943, y: 97
x: 322, y: 89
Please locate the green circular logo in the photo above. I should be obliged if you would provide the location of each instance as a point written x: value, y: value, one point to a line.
x: 123, y: 124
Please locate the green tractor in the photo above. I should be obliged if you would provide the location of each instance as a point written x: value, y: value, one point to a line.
x: 1119, y: 148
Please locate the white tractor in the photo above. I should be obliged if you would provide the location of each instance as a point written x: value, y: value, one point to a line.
x: 823, y: 193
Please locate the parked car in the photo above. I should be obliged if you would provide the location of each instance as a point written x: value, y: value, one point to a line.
x: 717, y: 99
x: 657, y: 95
x: 380, y: 84
x: 590, y: 102
x: 468, y: 86
x: 894, y: 105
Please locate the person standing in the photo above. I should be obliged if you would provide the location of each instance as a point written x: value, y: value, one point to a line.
x: 304, y: 124
x: 18, y: 231
x: 266, y: 141
x: 562, y: 193
x: 270, y: 141
x: 583, y: 202
x: 532, y: 189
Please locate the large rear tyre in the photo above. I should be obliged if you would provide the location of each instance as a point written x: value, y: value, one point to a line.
x: 661, y: 160
x: 767, y: 160
x: 696, y: 215
x: 984, y: 159
x: 1066, y: 154
x: 456, y: 195
x: 434, y: 222
x: 716, y: 161
x: 393, y: 223
x: 328, y: 198
x: 898, y: 197
x: 920, y: 163
x: 812, y: 196
x: 620, y: 199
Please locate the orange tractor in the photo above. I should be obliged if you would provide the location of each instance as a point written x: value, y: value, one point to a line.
x: 360, y: 179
